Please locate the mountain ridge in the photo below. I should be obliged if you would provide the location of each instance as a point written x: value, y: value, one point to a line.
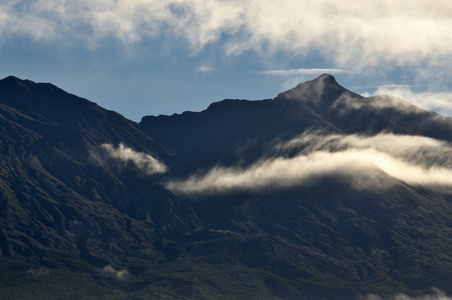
x: 77, y: 211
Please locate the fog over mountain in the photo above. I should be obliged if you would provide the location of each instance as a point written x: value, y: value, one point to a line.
x: 318, y: 193
x: 414, y: 159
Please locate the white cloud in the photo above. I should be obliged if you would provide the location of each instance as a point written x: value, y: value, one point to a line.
x: 436, y: 295
x: 205, y: 69
x: 358, y: 159
x: 145, y: 162
x: 109, y: 271
x: 401, y: 98
x: 351, y: 33
x: 440, y: 102
x: 293, y: 72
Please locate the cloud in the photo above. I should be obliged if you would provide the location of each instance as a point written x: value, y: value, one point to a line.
x: 145, y: 162
x: 350, y: 33
x: 205, y: 69
x: 109, y: 271
x: 400, y: 98
x: 361, y: 160
x: 436, y: 295
x: 301, y: 72
x: 41, y: 272
x: 440, y: 102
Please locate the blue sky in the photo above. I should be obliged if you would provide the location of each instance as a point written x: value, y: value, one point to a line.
x: 151, y: 57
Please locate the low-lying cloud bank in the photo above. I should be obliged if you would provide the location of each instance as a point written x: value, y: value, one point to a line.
x: 362, y: 161
x: 440, y: 102
x: 436, y: 295
x: 145, y: 162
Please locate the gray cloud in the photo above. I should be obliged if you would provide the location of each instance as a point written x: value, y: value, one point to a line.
x: 145, y: 162
x: 362, y: 160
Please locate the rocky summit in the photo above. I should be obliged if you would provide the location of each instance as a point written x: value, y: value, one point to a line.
x: 318, y: 193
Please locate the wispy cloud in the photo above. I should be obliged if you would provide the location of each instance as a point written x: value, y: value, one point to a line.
x: 145, y: 162
x: 436, y: 295
x: 360, y: 160
x: 109, y: 271
x: 440, y: 102
x: 41, y: 272
x: 293, y: 72
x: 205, y: 69
x: 351, y: 33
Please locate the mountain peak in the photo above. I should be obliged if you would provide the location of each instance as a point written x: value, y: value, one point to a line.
x: 321, y: 92
x: 11, y: 78
x: 12, y: 82
x: 23, y: 88
x: 327, y: 78
x: 325, y: 83
x: 45, y: 101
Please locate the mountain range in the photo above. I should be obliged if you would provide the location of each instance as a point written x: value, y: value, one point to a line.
x: 318, y: 193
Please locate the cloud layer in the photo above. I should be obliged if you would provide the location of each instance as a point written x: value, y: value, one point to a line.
x: 351, y: 32
x: 145, y: 162
x: 361, y: 160
x: 293, y: 72
x: 436, y: 295
x: 440, y: 102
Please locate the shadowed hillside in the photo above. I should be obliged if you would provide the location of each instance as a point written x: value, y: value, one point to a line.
x: 317, y: 193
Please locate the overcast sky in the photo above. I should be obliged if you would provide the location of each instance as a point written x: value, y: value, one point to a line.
x: 151, y: 57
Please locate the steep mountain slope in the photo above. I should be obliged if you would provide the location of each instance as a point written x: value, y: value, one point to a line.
x: 353, y: 113
x: 298, y: 231
x: 60, y: 191
x: 233, y: 130
x: 249, y: 199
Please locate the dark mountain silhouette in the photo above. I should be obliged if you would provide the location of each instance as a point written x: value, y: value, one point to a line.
x: 233, y: 130
x: 59, y: 193
x: 102, y: 225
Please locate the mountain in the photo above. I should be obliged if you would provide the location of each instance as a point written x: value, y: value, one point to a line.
x: 287, y: 198
x: 233, y: 130
x: 62, y: 198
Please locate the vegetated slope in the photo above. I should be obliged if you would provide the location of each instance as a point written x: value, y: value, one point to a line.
x: 107, y: 228
x: 59, y: 190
